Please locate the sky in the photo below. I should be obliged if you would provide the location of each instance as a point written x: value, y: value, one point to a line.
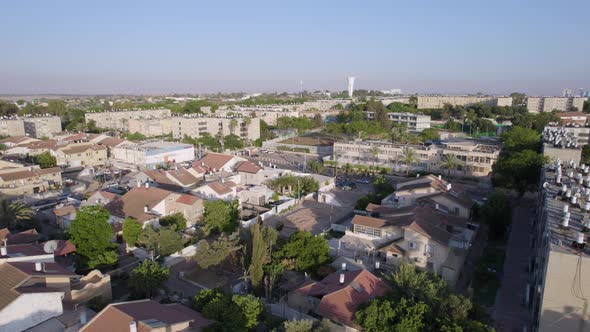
x: 158, y: 47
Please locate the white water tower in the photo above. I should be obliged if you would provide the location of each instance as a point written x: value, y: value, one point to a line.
x: 350, y: 80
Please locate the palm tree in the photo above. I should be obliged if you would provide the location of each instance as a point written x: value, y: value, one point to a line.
x: 348, y: 168
x: 410, y: 157
x: 233, y: 123
x: 11, y: 213
x: 450, y: 162
x: 375, y: 152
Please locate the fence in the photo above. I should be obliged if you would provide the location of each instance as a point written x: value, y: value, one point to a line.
x: 282, y: 310
x: 274, y: 211
x: 179, y: 255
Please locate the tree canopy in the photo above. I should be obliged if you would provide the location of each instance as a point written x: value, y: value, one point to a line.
x: 296, y: 186
x: 91, y: 232
x: 211, y: 254
x: 220, y: 216
x: 175, y: 221
x: 231, y: 312
x: 496, y: 212
x: 45, y: 160
x: 131, y: 231
x: 304, y: 251
x: 161, y: 242
x: 148, y: 277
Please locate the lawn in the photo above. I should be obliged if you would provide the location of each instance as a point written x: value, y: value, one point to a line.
x: 487, y: 276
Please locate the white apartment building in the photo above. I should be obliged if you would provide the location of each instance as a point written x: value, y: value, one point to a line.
x: 548, y: 104
x: 476, y: 157
x: 414, y: 122
x: 268, y: 114
x: 119, y: 119
x: 42, y: 126
x: 12, y: 127
x: 195, y: 126
x: 438, y: 102
x: 153, y: 153
x: 150, y: 127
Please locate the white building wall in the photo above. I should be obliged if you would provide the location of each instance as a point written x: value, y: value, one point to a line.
x: 29, y: 310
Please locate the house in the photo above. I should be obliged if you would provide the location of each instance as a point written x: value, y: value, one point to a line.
x: 81, y: 154
x: 29, y: 180
x: 64, y: 215
x: 24, y: 237
x: 250, y: 173
x: 100, y: 197
x: 32, y: 148
x: 450, y: 202
x: 407, y: 192
x: 33, y: 292
x: 217, y: 162
x: 146, y: 315
x: 429, y: 238
x: 112, y: 142
x: 257, y: 195
x: 178, y: 179
x: 338, y: 296
x: 17, y: 140
x: 147, y: 204
x: 225, y: 190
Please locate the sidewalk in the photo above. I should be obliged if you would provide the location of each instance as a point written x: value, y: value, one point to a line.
x: 510, y: 312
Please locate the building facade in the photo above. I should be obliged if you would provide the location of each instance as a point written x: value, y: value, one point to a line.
x: 150, y: 127
x: 29, y: 180
x: 438, y: 102
x: 475, y: 157
x: 12, y: 127
x: 43, y: 126
x: 154, y: 153
x: 246, y: 128
x: 548, y: 104
x: 414, y: 122
x: 119, y: 119
x: 81, y: 155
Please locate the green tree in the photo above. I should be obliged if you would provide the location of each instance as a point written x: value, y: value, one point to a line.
x: 131, y: 231
x: 220, y: 216
x: 306, y: 251
x: 316, y: 166
x: 450, y: 162
x: 148, y: 277
x: 161, y: 242
x: 519, y: 170
x: 233, y: 142
x: 383, y: 315
x: 251, y: 308
x: 586, y: 154
x: 13, y: 213
x: 233, y: 124
x: 409, y: 158
x: 56, y: 107
x: 175, y: 221
x: 45, y: 160
x: 496, y: 212
x: 263, y: 239
x: 430, y: 134
x: 304, y: 325
x: 91, y: 232
x: 519, y: 138
x: 518, y: 99
x: 211, y: 254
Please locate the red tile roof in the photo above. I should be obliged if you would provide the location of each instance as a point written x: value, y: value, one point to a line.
x: 248, y: 167
x: 132, y: 203
x: 339, y: 301
x: 64, y: 247
x: 24, y: 237
x: 64, y: 211
x: 214, y: 161
x: 183, y: 176
x: 187, y: 199
x: 222, y: 188
x: 116, y: 317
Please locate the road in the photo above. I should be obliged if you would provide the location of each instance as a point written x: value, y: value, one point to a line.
x: 510, y: 313
x: 177, y: 284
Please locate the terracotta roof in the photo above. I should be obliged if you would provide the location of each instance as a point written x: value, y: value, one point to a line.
x: 16, y: 139
x: 19, y: 173
x: 159, y: 176
x: 82, y: 148
x: 431, y: 231
x: 183, y: 176
x: 431, y: 181
x: 48, y: 144
x: 368, y: 221
x: 29, y: 249
x: 187, y: 199
x: 81, y: 136
x: 11, y: 279
x: 379, y: 209
x: 108, y: 195
x: 221, y: 188
x: 116, y: 317
x: 461, y: 200
x: 214, y: 161
x: 24, y: 237
x: 571, y: 114
x: 64, y: 247
x: 64, y: 211
x: 49, y: 269
x: 132, y: 203
x: 248, y: 167
x: 199, y: 169
x: 339, y: 301
x: 111, y: 141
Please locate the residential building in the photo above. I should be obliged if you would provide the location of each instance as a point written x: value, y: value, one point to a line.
x: 147, y: 204
x: 268, y: 114
x: 338, y: 296
x: 34, y: 148
x: 196, y: 126
x: 414, y: 122
x: 144, y: 316
x: 438, y: 102
x: 24, y: 237
x: 179, y: 179
x: 81, y: 155
x: 64, y: 215
x: 250, y: 173
x: 152, y: 154
x: 561, y: 255
x: 17, y: 140
x: 409, y: 191
x: 475, y: 156
x: 100, y: 197
x: 119, y: 119
x: 225, y: 190
x: 573, y: 118
x: 29, y: 180
x: 42, y: 126
x: 548, y: 104
x: 257, y: 195
x: 217, y: 162
x: 12, y: 127
x: 150, y: 127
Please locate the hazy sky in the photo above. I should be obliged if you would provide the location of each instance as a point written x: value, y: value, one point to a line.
x: 539, y: 47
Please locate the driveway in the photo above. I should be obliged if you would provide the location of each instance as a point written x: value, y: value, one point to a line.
x: 510, y: 313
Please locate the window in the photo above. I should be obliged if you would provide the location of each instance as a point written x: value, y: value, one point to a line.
x: 412, y: 245
x: 429, y: 249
